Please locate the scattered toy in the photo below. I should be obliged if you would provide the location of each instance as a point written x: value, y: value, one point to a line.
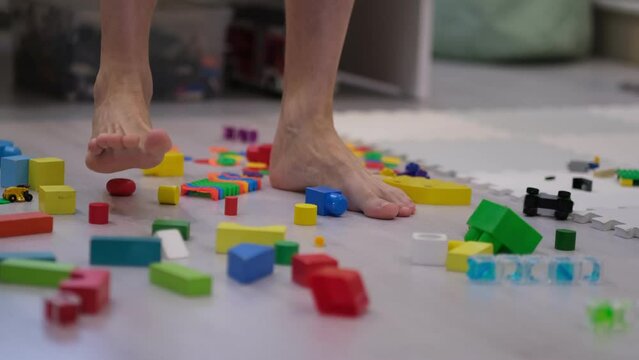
x: 429, y: 249
x: 562, y: 204
x: 45, y: 171
x: 457, y: 258
x: 28, y: 255
x: 25, y: 224
x: 628, y: 177
x: 180, y: 279
x: 248, y: 263
x: 17, y: 194
x: 231, y: 234
x: 62, y: 309
x: 98, y: 213
x: 15, y: 171
x: 339, y: 291
x: 431, y: 191
x: 171, y: 166
x: 92, y: 286
x: 565, y: 239
x: 605, y: 173
x: 168, y: 194
x: 415, y: 170
x: 329, y: 201
x: 184, y: 226
x: 230, y: 205
x: 305, y: 214
x: 34, y: 272
x: 173, y: 246
x: 125, y: 250
x: 549, y: 178
x: 319, y: 242
x: 57, y: 199
x: 303, y: 265
x: 121, y: 187
x: 582, y: 184
x: 497, y: 224
x: 610, y: 315
x: 284, y: 251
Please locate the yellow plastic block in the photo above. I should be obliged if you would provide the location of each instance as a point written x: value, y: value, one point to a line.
x: 625, y: 182
x: 305, y: 214
x: 231, y: 234
x: 256, y: 165
x: 358, y: 153
x: 57, y: 199
x: 391, y: 160
x: 454, y: 243
x: 431, y: 191
x: 169, y: 195
x: 45, y: 171
x: 387, y: 172
x: 457, y: 258
x: 172, y: 165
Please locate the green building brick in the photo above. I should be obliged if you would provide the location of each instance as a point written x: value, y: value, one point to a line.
x: 284, y: 251
x: 34, y: 272
x: 499, y: 225
x: 183, y: 226
x: 373, y: 156
x: 180, y: 279
x: 565, y: 239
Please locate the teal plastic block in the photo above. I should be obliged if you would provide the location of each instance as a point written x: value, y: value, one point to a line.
x: 14, y: 170
x: 125, y: 250
x: 180, y: 279
x: 183, y: 226
x: 30, y: 255
x: 34, y: 272
x: 499, y: 225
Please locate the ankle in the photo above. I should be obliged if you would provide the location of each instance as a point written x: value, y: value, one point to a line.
x: 302, y: 115
x: 116, y: 80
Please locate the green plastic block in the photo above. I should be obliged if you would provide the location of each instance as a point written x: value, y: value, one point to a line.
x: 34, y: 272
x: 565, y: 239
x: 180, y: 279
x: 229, y: 189
x: 607, y: 315
x: 373, y: 156
x: 183, y: 226
x: 284, y: 251
x: 226, y: 161
x: 507, y: 231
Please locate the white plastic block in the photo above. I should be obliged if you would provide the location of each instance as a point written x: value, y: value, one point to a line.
x: 583, y: 217
x: 173, y: 246
x: 626, y: 231
x: 429, y: 249
x: 604, y: 224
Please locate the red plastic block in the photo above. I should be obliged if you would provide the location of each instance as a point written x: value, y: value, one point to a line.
x: 230, y: 205
x: 98, y: 213
x: 62, y: 308
x: 261, y: 154
x: 306, y: 264
x: 374, y: 165
x: 92, y: 286
x: 252, y: 153
x: 121, y: 187
x: 25, y: 224
x: 339, y: 292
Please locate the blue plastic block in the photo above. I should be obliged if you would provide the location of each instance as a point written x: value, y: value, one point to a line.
x: 30, y: 255
x: 14, y: 170
x: 482, y: 269
x: 329, y: 201
x: 9, y: 150
x: 510, y: 267
x: 592, y: 269
x: 249, y: 262
x: 125, y: 250
x: 534, y: 269
x: 4, y: 143
x: 564, y: 270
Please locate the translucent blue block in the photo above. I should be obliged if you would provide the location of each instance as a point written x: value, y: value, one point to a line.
x: 591, y: 269
x: 510, y: 268
x: 564, y: 270
x: 482, y: 269
x: 534, y: 269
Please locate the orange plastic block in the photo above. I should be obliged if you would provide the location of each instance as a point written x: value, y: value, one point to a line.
x: 25, y: 224
x: 244, y: 187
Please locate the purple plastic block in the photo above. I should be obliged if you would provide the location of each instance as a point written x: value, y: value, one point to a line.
x: 252, y: 136
x: 422, y: 173
x: 242, y: 135
x: 230, y: 133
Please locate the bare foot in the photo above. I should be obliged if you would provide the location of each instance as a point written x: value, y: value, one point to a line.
x: 311, y: 157
x: 122, y: 135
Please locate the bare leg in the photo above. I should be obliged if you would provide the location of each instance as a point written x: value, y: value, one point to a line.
x: 122, y: 136
x: 307, y: 151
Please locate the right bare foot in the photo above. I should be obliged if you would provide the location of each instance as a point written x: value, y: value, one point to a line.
x: 123, y: 137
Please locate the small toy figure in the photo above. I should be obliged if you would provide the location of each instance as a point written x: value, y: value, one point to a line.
x: 562, y: 204
x: 18, y: 193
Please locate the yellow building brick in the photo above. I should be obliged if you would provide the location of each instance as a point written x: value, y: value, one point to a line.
x: 57, y: 199
x: 231, y: 234
x: 305, y: 214
x: 457, y: 258
x: 169, y: 194
x: 45, y: 171
x: 171, y: 166
x: 431, y: 191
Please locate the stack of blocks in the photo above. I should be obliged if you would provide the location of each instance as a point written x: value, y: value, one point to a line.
x: 248, y: 263
x: 45, y: 171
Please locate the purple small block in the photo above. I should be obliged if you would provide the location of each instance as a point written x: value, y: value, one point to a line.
x: 252, y: 136
x: 242, y: 135
x: 230, y: 133
x: 422, y: 173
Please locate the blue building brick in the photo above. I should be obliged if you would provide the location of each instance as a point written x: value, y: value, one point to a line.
x: 28, y: 255
x: 329, y: 201
x: 14, y: 170
x: 249, y: 262
x: 125, y: 250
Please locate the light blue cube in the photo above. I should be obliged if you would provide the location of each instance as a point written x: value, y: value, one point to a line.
x: 14, y: 170
x: 482, y: 269
x: 564, y: 270
x: 592, y: 269
x: 250, y: 262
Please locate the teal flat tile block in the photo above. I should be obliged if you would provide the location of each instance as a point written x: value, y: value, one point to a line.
x: 29, y: 255
x: 125, y: 250
x: 14, y: 170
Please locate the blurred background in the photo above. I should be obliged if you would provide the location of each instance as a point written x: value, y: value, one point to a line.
x: 434, y: 53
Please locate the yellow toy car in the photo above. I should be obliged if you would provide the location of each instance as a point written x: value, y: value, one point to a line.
x: 17, y: 193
